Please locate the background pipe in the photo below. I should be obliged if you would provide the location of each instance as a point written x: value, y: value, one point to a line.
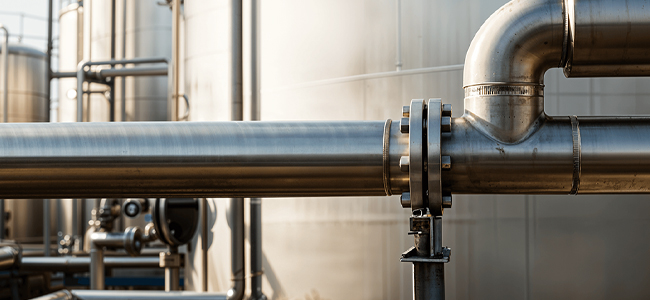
x: 145, y: 295
x: 59, y: 295
x: 5, y: 109
x: 174, y: 79
x: 255, y: 206
x: 237, y: 232
x: 82, y: 264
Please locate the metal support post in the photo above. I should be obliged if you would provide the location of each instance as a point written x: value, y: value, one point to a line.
x: 171, y: 261
x: 428, y: 256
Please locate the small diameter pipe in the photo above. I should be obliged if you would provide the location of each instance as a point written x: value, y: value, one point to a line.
x: 5, y: 109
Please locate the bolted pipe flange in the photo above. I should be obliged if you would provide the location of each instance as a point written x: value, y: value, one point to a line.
x: 434, y: 158
x: 417, y: 158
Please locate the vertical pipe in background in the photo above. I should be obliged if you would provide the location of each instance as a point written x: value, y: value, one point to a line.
x: 398, y: 41
x: 204, y: 243
x: 174, y: 73
x: 123, y: 92
x: 255, y: 237
x: 46, y: 227
x: 5, y: 101
x: 238, y: 264
x: 47, y: 232
x: 112, y: 82
x: 172, y: 275
x: 96, y: 266
x: 5, y: 74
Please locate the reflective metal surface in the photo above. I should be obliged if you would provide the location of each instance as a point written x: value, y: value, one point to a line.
x: 195, y: 159
x: 82, y: 264
x: 27, y: 76
x: 144, y: 295
x: 608, y: 38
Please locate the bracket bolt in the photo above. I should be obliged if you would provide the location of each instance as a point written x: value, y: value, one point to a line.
x: 445, y: 124
x: 445, y: 162
x: 404, y: 162
x: 446, y: 110
x: 406, y: 111
x: 405, y: 200
x: 446, y: 201
x: 404, y: 125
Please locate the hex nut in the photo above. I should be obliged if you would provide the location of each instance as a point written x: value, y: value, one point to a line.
x: 404, y: 125
x: 445, y: 162
x: 446, y: 110
x: 405, y: 200
x: 406, y: 111
x: 404, y: 163
x: 446, y: 201
x: 445, y: 124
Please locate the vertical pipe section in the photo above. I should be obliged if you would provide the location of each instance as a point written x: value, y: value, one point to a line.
x: 111, y: 85
x: 123, y: 92
x: 428, y: 281
x: 5, y: 110
x: 5, y: 76
x: 46, y: 227
x: 255, y: 235
x: 172, y: 274
x: 237, y: 114
x: 398, y: 39
x: 174, y: 65
x: 96, y: 266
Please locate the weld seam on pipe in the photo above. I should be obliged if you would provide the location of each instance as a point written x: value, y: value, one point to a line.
x: 386, y: 154
x: 577, y: 154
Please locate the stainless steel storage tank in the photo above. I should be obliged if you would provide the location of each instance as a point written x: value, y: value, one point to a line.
x: 504, y: 247
x: 27, y: 103
x: 148, y: 34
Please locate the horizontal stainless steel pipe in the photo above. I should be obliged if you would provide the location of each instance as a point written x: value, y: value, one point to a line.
x: 82, y: 264
x: 564, y: 156
x: 60, y: 295
x: 134, y: 71
x: 196, y: 159
x: 144, y: 295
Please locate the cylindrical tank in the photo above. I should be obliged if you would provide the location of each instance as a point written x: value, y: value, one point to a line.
x: 148, y: 34
x: 503, y: 247
x: 27, y: 103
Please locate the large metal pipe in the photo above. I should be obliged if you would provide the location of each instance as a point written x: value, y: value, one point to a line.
x: 568, y: 155
x: 144, y: 295
x: 201, y: 159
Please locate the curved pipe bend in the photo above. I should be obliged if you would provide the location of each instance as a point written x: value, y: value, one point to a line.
x: 511, y: 52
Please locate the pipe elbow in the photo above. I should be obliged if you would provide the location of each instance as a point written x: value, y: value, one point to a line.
x: 518, y: 44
